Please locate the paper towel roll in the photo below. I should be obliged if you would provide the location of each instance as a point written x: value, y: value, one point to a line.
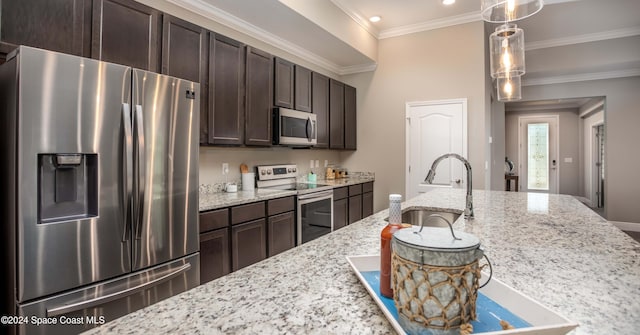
x: 248, y: 181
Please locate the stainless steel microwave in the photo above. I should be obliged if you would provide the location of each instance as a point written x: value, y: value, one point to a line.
x: 294, y: 128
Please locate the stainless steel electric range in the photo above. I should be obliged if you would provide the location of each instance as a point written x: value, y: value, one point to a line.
x: 314, y: 201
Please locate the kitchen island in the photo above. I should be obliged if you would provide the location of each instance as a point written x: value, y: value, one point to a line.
x: 550, y: 247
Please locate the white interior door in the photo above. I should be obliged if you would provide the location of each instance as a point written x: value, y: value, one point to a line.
x: 435, y: 128
x: 538, y: 154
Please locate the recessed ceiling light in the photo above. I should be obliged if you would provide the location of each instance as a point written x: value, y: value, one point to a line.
x: 448, y: 2
x: 375, y: 18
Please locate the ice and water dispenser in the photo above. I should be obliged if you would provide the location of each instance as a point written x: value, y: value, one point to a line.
x: 67, y: 187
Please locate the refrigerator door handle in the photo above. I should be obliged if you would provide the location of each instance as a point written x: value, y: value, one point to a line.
x: 128, y: 175
x: 141, y: 168
x: 64, y: 309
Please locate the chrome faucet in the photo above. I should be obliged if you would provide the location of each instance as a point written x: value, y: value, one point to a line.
x: 468, y: 211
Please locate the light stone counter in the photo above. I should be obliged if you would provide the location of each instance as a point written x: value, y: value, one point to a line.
x: 341, y: 182
x: 550, y: 247
x: 209, y: 201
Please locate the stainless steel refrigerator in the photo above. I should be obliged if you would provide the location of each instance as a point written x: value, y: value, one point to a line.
x: 100, y: 172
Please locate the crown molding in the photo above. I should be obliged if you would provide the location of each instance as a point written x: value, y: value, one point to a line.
x: 430, y: 25
x: 581, y: 77
x: 368, y: 67
x: 586, y: 38
x: 356, y: 16
x: 211, y: 12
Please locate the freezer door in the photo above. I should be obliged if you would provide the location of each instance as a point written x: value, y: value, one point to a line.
x: 71, y: 194
x: 88, y: 307
x: 166, y: 132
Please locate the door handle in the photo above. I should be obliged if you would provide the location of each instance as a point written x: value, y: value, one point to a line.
x: 141, y: 171
x: 56, y: 311
x: 457, y: 181
x: 309, y: 129
x: 128, y: 173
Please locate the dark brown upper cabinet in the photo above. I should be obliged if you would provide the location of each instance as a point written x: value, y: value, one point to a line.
x: 259, y: 98
x: 336, y: 114
x: 225, y: 120
x: 283, y: 83
x: 320, y: 107
x: 61, y: 25
x: 185, y: 51
x: 126, y: 32
x: 350, y: 125
x: 302, y: 96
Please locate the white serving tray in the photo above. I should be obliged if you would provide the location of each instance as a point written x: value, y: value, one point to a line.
x: 543, y: 320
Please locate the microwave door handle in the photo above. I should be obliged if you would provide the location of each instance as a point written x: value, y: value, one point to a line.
x: 141, y: 171
x: 309, y: 129
x: 128, y: 165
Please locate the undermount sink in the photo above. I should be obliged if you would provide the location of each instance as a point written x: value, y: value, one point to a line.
x: 416, y: 216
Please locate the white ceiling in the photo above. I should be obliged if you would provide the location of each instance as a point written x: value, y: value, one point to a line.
x: 568, y: 40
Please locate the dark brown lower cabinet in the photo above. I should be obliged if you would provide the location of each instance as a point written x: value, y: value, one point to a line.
x: 281, y: 233
x: 214, y: 255
x: 367, y: 204
x: 340, y: 210
x: 355, y: 208
x: 248, y: 243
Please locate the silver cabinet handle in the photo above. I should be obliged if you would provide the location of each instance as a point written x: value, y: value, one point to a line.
x: 141, y: 170
x: 128, y: 173
x: 116, y: 295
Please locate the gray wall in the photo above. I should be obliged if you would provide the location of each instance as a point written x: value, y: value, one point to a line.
x: 622, y: 118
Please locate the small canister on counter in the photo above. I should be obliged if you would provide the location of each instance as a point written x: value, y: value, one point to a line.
x: 435, y: 278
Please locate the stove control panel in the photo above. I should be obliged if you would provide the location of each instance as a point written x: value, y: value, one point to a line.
x: 271, y: 172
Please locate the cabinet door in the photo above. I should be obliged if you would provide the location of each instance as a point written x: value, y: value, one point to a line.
x: 283, y: 83
x: 281, y: 233
x: 225, y: 121
x: 302, y: 96
x: 340, y: 210
x: 126, y: 32
x: 350, y: 125
x: 336, y: 114
x: 214, y: 255
x: 248, y: 243
x: 320, y: 107
x: 184, y: 55
x: 258, y: 98
x: 355, y: 208
x: 367, y: 204
x: 61, y: 25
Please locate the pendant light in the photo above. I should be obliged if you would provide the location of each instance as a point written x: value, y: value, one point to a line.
x: 506, y: 48
x: 509, y: 88
x: 499, y: 11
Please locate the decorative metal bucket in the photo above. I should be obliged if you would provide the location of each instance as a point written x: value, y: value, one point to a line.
x: 435, y: 278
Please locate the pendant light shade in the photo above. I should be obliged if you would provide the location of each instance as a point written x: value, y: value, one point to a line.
x: 506, y: 48
x: 498, y: 11
x: 509, y: 89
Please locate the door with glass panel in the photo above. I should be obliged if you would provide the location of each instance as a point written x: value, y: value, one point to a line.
x: 538, y: 154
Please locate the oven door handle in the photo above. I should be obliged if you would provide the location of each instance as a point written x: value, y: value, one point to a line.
x: 316, y: 195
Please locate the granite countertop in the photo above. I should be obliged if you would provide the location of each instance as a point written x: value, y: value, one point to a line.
x: 550, y: 247
x: 210, y: 199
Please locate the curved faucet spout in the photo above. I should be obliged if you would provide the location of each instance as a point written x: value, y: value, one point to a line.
x: 468, y: 211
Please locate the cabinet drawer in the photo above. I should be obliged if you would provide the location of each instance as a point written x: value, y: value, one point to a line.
x: 355, y: 190
x: 281, y: 205
x: 244, y: 213
x: 367, y: 187
x: 214, y: 220
x: 340, y: 193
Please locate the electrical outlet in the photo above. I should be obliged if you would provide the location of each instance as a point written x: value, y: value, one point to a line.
x: 311, y: 163
x: 317, y: 163
x: 326, y: 163
x: 225, y: 168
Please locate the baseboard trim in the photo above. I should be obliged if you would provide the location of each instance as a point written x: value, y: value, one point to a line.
x: 628, y: 226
